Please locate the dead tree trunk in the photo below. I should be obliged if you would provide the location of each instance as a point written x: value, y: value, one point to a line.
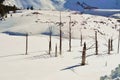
x: 70, y: 34
x: 84, y: 55
x: 81, y: 39
x: 56, y: 50
x: 50, y: 46
x: 60, y: 35
x: 96, y: 43
x: 26, y: 44
x: 118, y: 41
x: 109, y: 46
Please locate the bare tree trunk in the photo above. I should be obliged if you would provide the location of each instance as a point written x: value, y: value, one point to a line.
x: 56, y: 50
x: 81, y: 39
x: 118, y: 41
x: 26, y: 44
x: 70, y: 34
x: 84, y: 55
x: 111, y: 43
x: 60, y: 35
x: 50, y: 47
x: 96, y: 43
x: 109, y: 46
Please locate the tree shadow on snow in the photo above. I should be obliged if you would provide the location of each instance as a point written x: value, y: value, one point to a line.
x: 86, y: 56
x: 41, y: 56
x: 44, y: 55
x: 71, y: 67
x: 14, y: 33
x: 12, y: 55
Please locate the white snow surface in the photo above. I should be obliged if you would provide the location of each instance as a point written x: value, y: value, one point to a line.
x: 38, y: 65
x: 39, y: 21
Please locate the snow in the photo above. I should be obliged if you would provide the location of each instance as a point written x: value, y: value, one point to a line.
x: 40, y: 21
x: 115, y: 74
x: 38, y: 65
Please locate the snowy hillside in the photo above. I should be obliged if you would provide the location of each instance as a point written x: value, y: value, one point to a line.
x: 65, y: 4
x: 38, y: 64
x: 38, y: 22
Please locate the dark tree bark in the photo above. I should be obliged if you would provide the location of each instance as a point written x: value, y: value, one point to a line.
x: 81, y: 39
x: 56, y: 50
x: 84, y: 55
x: 60, y: 35
x: 96, y: 43
x: 111, y: 43
x: 70, y: 34
x: 109, y: 46
x: 26, y: 44
x: 50, y: 45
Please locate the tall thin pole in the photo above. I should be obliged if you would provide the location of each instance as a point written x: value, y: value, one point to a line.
x: 70, y: 34
x: 26, y: 44
x: 60, y: 35
x: 118, y: 41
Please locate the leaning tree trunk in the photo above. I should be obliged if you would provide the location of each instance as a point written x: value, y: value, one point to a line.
x: 84, y: 55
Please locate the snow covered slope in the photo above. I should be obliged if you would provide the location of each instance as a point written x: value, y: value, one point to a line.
x: 38, y: 22
x: 38, y: 64
x: 65, y: 4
